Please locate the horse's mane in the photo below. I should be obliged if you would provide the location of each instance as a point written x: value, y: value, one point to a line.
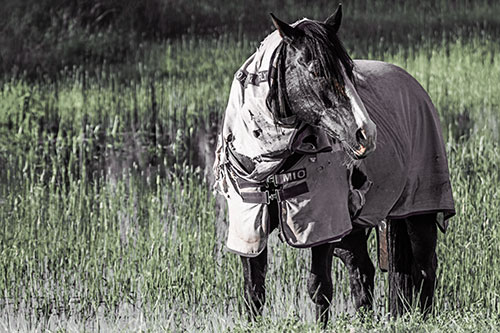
x: 318, y: 38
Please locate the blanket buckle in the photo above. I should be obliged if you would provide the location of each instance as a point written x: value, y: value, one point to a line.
x: 271, y: 180
x: 271, y: 195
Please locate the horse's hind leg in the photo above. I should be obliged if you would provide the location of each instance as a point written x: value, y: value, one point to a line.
x: 412, y: 262
x: 254, y: 274
x: 353, y: 252
x: 422, y: 232
x: 400, y: 258
x: 319, y: 284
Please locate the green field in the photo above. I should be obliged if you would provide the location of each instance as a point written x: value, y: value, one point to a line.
x: 108, y: 221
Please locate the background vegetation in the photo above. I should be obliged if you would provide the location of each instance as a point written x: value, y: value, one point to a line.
x: 41, y: 37
x: 108, y: 113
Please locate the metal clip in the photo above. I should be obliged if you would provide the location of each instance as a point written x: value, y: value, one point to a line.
x: 268, y: 199
x: 271, y: 180
x: 270, y: 196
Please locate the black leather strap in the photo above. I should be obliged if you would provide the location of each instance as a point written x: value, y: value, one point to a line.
x: 264, y: 197
x: 292, y: 192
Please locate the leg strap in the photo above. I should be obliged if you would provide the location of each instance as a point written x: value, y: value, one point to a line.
x: 383, y: 256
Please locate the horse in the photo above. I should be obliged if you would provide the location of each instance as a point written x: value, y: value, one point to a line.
x: 326, y: 148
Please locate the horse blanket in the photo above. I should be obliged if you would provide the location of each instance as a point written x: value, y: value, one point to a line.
x: 408, y: 170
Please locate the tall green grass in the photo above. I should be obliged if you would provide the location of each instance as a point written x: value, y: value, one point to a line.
x: 108, y: 224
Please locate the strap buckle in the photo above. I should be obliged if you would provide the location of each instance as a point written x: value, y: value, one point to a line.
x: 271, y: 196
x: 271, y: 180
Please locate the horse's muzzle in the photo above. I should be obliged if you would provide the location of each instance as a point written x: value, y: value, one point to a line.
x: 366, y: 143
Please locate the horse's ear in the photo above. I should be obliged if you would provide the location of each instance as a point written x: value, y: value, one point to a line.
x: 287, y: 32
x: 335, y: 19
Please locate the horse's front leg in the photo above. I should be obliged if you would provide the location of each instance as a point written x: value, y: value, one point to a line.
x: 353, y: 252
x: 320, y: 280
x: 254, y: 274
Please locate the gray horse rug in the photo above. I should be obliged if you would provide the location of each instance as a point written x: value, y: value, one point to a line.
x: 409, y: 168
x: 259, y: 160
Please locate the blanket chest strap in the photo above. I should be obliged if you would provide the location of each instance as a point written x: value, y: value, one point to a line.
x: 265, y: 197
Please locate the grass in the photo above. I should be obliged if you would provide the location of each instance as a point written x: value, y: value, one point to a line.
x: 108, y: 223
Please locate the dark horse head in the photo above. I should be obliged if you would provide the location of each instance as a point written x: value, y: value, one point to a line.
x: 315, y: 75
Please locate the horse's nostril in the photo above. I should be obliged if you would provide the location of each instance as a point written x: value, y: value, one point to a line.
x: 361, y: 135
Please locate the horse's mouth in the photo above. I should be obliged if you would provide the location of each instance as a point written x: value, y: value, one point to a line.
x: 360, y: 152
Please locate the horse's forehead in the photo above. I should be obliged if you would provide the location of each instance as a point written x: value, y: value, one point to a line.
x: 304, y: 19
